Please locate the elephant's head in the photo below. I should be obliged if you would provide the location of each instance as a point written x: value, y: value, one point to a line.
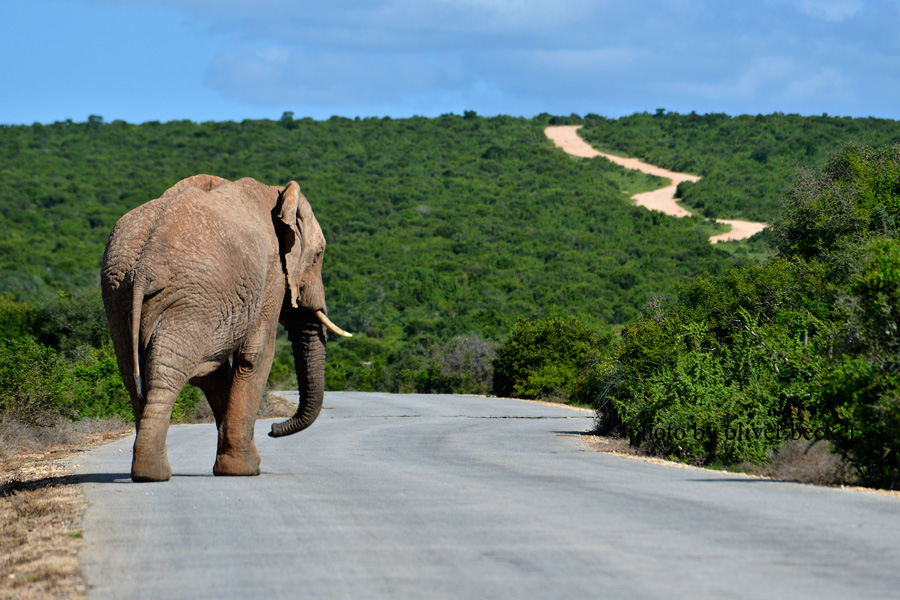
x: 304, y: 312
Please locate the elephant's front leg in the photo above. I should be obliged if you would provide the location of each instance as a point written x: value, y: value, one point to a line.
x: 237, y: 454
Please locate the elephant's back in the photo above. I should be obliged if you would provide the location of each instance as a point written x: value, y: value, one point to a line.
x: 216, y: 254
x: 205, y: 232
x: 214, y: 240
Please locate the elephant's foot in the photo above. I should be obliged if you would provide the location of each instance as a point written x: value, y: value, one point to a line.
x: 144, y: 469
x: 246, y: 463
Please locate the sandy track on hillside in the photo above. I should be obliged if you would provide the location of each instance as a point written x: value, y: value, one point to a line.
x: 566, y: 137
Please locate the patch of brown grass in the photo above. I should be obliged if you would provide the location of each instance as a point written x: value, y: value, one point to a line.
x: 798, y: 460
x: 40, y: 512
x: 273, y: 406
x: 609, y: 444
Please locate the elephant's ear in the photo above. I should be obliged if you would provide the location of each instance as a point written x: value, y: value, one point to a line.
x: 292, y: 244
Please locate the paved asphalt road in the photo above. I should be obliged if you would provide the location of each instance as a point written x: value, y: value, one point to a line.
x: 408, y: 496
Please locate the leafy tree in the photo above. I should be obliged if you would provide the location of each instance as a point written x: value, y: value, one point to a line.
x: 287, y: 120
x: 854, y: 198
x: 549, y: 359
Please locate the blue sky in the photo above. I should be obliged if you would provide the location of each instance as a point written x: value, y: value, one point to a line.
x: 215, y: 60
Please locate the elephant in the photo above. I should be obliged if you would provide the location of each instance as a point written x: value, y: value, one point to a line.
x: 194, y: 284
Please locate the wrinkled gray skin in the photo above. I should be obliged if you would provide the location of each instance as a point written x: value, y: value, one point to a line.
x: 194, y: 284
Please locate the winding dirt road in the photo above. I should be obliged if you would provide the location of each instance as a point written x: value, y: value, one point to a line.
x: 566, y: 137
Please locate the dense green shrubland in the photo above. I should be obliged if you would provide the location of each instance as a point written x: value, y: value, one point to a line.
x: 437, y: 228
x: 56, y: 359
x: 741, y: 351
x: 747, y: 162
x: 418, y: 213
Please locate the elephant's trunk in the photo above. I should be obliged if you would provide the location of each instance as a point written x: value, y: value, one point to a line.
x: 308, y: 340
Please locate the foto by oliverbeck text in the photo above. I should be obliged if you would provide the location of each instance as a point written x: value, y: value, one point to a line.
x: 748, y: 432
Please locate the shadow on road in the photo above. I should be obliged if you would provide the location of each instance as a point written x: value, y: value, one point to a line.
x: 11, y: 487
x: 746, y: 480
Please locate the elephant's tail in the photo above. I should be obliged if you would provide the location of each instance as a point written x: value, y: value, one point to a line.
x: 137, y: 301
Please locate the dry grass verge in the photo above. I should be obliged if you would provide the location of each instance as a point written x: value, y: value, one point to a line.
x: 40, y: 512
x: 806, y: 462
x: 795, y: 461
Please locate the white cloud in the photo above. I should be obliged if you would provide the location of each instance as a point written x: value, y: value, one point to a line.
x: 823, y: 81
x: 834, y: 11
x: 277, y: 76
x: 766, y: 75
x: 519, y: 15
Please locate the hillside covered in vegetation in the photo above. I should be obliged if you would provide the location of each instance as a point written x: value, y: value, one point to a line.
x: 469, y: 255
x: 746, y: 162
x: 437, y: 228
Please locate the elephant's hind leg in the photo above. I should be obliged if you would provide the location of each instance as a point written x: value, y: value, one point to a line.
x: 150, y: 461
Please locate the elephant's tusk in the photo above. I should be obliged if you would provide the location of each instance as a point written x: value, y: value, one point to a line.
x: 327, y: 322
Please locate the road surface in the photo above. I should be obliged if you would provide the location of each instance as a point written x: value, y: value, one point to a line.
x: 413, y: 496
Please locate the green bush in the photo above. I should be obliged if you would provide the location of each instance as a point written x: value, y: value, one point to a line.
x: 16, y: 318
x: 862, y: 386
x: 190, y: 404
x: 865, y: 400
x: 99, y: 391
x: 853, y: 199
x: 727, y: 372
x: 862, y: 380
x: 36, y: 380
x: 550, y: 359
x: 683, y: 393
x: 32, y: 381
x: 68, y: 321
x: 56, y: 358
x: 461, y: 365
